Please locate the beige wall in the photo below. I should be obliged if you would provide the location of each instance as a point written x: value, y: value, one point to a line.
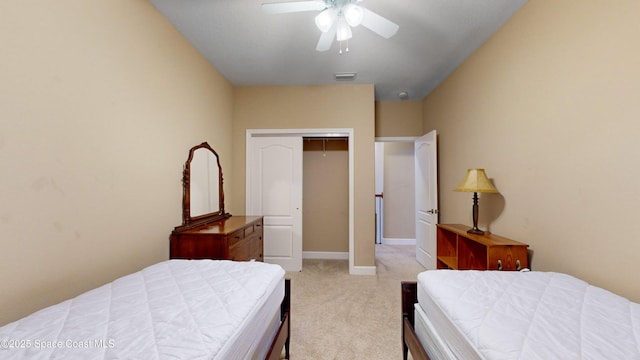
x: 100, y: 102
x: 314, y: 107
x: 399, y: 118
x: 399, y: 191
x: 325, y: 196
x: 549, y: 107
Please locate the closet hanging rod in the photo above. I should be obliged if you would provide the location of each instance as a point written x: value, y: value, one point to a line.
x: 326, y: 138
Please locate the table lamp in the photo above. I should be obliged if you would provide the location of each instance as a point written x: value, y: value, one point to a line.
x: 476, y: 181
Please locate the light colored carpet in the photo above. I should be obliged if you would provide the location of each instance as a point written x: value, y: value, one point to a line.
x: 335, y: 315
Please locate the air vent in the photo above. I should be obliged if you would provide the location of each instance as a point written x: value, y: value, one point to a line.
x: 345, y: 76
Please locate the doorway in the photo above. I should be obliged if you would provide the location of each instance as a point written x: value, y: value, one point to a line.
x: 395, y: 191
x: 425, y: 210
x: 325, y: 194
x: 252, y: 197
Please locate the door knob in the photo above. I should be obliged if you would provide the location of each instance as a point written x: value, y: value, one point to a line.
x: 433, y: 211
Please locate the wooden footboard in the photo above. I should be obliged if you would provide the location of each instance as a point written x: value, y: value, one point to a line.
x: 410, y: 341
x: 282, y: 336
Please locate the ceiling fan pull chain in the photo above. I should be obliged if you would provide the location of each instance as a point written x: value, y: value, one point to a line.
x: 346, y: 48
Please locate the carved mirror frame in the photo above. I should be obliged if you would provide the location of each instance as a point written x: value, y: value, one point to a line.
x: 189, y: 221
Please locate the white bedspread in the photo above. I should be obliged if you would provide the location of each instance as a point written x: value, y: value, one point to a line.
x: 533, y: 315
x: 177, y: 309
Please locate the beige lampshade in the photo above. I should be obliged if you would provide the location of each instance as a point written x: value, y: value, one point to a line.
x: 476, y: 181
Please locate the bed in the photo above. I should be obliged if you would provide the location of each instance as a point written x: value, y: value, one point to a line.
x: 176, y: 309
x: 450, y: 314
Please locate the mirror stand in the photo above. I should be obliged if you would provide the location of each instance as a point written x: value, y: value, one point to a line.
x: 207, y: 230
x: 202, y: 190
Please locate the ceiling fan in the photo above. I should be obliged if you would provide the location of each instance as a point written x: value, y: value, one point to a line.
x: 336, y: 18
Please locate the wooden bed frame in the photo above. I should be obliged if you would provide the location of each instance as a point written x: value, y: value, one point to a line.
x: 282, y: 337
x: 410, y: 341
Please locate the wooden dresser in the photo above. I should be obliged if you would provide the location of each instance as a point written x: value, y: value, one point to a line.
x: 457, y: 249
x: 234, y: 238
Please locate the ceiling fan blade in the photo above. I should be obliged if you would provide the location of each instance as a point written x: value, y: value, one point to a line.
x: 293, y: 6
x: 379, y: 24
x: 326, y: 39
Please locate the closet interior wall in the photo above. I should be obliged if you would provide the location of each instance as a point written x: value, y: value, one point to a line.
x: 325, y: 204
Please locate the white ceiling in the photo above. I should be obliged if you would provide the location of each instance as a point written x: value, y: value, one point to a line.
x: 252, y: 48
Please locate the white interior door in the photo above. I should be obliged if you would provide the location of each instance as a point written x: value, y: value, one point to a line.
x: 426, y: 170
x: 274, y: 184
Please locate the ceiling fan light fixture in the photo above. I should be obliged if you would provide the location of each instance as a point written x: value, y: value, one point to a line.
x: 336, y: 18
x: 343, y: 32
x: 324, y: 20
x: 353, y: 14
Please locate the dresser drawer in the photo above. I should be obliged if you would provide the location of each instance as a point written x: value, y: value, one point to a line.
x: 507, y: 258
x: 239, y: 250
x: 190, y: 246
x: 249, y: 230
x: 255, y: 227
x: 254, y: 242
x: 236, y: 238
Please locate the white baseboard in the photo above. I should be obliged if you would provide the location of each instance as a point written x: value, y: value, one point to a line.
x: 325, y: 255
x: 363, y: 270
x: 391, y: 241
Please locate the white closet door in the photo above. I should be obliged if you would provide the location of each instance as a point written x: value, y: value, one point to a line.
x: 426, y: 158
x: 274, y: 180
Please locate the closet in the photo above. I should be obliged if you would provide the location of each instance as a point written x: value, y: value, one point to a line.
x: 325, y: 189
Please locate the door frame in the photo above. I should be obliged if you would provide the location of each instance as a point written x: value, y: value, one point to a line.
x: 411, y: 139
x: 396, y: 139
x: 341, y: 132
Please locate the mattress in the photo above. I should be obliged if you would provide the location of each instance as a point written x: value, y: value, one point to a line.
x: 177, y: 309
x: 523, y: 315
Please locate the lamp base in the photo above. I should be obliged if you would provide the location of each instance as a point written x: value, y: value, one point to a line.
x: 474, y: 229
